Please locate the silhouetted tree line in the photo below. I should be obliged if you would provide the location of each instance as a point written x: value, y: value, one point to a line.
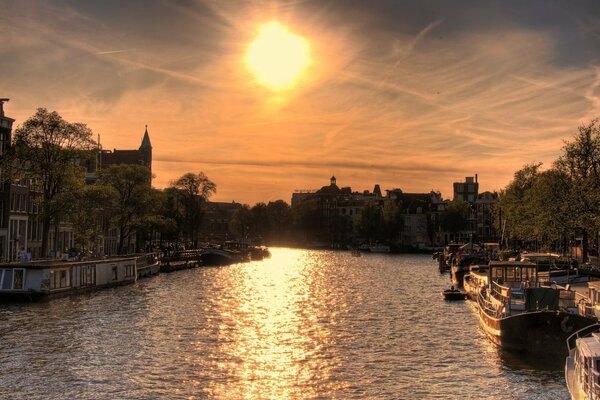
x: 556, y: 208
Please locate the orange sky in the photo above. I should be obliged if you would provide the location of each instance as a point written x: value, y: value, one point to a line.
x: 410, y: 96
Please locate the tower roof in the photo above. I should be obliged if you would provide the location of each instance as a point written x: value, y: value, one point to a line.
x: 146, y: 140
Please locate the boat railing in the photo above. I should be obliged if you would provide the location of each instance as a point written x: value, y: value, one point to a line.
x: 487, y: 306
x: 587, y: 331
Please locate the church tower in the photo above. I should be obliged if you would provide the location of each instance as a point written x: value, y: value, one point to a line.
x: 146, y: 150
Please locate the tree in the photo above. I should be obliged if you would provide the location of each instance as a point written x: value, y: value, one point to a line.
x: 393, y: 221
x: 135, y: 198
x: 279, y: 217
x: 193, y: 191
x: 370, y: 223
x: 241, y: 222
x: 455, y: 217
x: 92, y: 205
x: 581, y: 162
x: 47, y: 149
x: 308, y: 217
x: 514, y: 201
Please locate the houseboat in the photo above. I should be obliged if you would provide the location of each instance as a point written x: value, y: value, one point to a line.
x: 582, y: 366
x: 475, y: 280
x: 517, y: 313
x: 28, y: 280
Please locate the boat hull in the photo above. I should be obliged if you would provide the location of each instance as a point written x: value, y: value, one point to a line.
x: 538, y: 332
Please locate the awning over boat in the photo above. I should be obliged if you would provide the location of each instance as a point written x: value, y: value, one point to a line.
x: 541, y: 299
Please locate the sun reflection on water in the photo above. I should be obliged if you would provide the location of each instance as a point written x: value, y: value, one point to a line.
x: 276, y: 343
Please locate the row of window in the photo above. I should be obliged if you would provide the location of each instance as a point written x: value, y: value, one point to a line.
x: 23, y: 203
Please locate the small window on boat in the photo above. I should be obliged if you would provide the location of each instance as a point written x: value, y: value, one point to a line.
x: 597, y: 365
x: 18, y: 279
x: 7, y: 282
x: 114, y: 273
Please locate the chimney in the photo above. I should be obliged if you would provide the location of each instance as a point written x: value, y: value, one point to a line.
x: 2, y: 101
x: 475, y: 178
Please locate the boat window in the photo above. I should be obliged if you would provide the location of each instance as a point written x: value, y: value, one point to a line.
x: 597, y: 364
x: 7, y: 282
x: 114, y: 273
x: 18, y: 278
x: 129, y: 270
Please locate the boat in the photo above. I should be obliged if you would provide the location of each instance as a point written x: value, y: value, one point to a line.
x: 475, y: 280
x: 258, y: 253
x: 582, y: 365
x: 379, y: 248
x: 356, y: 253
x: 50, y: 278
x: 467, y: 255
x: 453, y: 294
x: 180, y: 260
x: 517, y: 313
x: 446, y: 257
x: 213, y: 256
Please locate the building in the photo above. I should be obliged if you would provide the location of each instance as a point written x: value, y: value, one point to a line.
x: 141, y: 156
x: 467, y: 190
x: 481, y: 219
x: 216, y: 221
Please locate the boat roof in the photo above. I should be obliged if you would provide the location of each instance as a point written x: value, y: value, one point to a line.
x: 511, y: 264
x: 43, y: 264
x: 589, y: 346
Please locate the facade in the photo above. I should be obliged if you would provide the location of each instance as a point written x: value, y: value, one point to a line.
x: 341, y: 209
x: 216, y: 221
x: 481, y: 218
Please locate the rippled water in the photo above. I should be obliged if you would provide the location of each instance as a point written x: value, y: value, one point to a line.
x: 301, y: 325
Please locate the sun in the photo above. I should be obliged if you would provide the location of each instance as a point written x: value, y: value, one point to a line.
x: 277, y: 57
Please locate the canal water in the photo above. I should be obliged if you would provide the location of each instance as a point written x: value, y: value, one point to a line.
x: 301, y: 325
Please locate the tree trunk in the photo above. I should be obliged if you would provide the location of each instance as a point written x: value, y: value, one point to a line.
x: 45, y: 235
x: 121, y: 240
x: 584, y: 246
x: 56, y: 232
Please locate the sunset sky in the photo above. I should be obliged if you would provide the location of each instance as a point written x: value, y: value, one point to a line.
x: 411, y: 95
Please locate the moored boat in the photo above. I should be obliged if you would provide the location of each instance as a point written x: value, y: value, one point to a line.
x: 519, y: 314
x: 379, y: 248
x: 475, y: 280
x: 453, y: 294
x: 582, y: 365
x: 28, y: 280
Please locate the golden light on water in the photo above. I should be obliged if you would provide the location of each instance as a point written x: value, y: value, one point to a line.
x: 277, y: 57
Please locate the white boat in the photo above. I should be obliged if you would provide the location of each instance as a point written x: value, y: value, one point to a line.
x: 582, y: 366
x: 379, y: 248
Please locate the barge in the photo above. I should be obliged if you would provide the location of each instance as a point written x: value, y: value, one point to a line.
x: 30, y: 280
x: 517, y: 313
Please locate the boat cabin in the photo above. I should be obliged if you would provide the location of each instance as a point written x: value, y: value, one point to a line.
x: 587, y: 365
x: 41, y: 278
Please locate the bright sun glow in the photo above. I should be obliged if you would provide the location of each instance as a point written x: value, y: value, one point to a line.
x: 277, y: 57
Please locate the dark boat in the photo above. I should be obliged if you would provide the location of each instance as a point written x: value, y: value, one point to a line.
x: 519, y: 314
x: 446, y: 258
x: 179, y: 260
x: 468, y: 255
x: 453, y: 295
x: 216, y: 257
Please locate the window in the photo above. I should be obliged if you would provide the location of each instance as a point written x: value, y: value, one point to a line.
x: 87, y: 275
x: 18, y: 278
x: 7, y: 282
x: 114, y: 273
x: 129, y: 270
x: 60, y: 279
